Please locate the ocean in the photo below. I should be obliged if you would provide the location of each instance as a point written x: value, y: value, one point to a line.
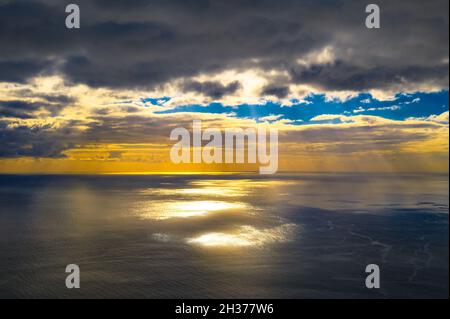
x: 224, y: 236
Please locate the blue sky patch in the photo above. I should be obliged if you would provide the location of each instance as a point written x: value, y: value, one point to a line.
x: 403, y: 106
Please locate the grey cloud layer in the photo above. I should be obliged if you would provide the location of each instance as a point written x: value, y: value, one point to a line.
x: 144, y: 43
x: 36, y: 141
x: 51, y: 142
x: 20, y: 108
x: 212, y: 89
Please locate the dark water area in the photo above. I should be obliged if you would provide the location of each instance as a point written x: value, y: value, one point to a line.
x: 224, y: 236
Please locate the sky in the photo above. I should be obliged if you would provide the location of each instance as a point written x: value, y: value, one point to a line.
x: 104, y: 98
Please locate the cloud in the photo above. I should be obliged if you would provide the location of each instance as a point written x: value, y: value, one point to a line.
x: 333, y: 133
x: 441, y: 118
x: 21, y: 140
x: 270, y: 118
x: 210, y: 89
x: 113, y: 90
x: 20, y: 71
x: 385, y: 108
x: 279, y: 92
x: 23, y: 109
x: 341, y: 75
x: 145, y: 44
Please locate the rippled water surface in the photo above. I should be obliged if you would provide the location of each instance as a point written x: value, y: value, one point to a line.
x: 228, y: 236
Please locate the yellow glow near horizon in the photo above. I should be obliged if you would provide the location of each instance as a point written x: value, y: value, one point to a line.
x: 410, y: 145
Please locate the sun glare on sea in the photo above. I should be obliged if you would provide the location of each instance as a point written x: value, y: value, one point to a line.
x: 244, y: 236
x: 208, y: 198
x: 161, y: 210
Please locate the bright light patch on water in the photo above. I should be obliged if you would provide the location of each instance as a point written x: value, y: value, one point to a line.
x: 184, y: 209
x: 207, y: 191
x: 245, y: 236
x: 216, y: 188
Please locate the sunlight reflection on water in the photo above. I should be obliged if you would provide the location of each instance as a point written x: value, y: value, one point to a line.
x: 184, y: 209
x: 206, y: 199
x: 197, y: 236
x: 245, y: 236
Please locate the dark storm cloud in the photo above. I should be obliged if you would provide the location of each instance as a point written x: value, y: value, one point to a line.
x: 26, y: 110
x: 345, y: 76
x: 214, y: 90
x: 18, y: 109
x: 142, y: 43
x: 36, y: 141
x: 19, y: 71
x: 60, y: 99
x: 278, y: 91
